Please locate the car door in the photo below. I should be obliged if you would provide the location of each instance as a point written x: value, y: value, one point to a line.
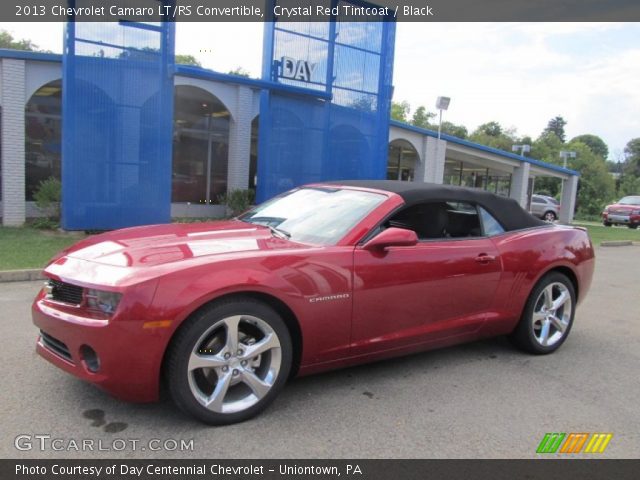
x: 537, y: 206
x: 439, y: 288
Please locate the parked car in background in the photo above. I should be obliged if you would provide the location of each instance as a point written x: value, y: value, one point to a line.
x: 321, y: 277
x: 624, y: 212
x: 544, y: 207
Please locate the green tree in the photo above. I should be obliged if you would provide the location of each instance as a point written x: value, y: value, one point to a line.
x: 556, y: 125
x: 7, y: 41
x: 459, y: 131
x: 400, y: 111
x: 421, y: 117
x: 183, y: 59
x: 596, y: 186
x: 491, y: 129
x: 629, y: 185
x: 493, y: 135
x: 595, y: 144
x: 240, y: 72
x: 632, y: 158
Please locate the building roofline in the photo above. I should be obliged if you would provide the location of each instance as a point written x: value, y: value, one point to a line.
x: 27, y: 55
x: 483, y: 148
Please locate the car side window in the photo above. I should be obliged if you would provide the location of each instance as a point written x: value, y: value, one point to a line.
x: 490, y: 226
x: 537, y: 200
x: 439, y: 220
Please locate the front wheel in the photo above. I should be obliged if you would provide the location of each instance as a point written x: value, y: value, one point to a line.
x: 549, y: 216
x: 547, y: 317
x: 633, y: 226
x: 229, y: 361
x: 606, y: 224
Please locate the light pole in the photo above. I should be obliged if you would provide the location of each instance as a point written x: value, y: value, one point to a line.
x: 442, y: 103
x: 521, y: 148
x: 564, y: 154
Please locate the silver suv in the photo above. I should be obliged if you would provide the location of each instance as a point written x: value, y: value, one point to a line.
x: 546, y: 208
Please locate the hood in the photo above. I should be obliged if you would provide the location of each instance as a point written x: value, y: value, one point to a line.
x: 622, y: 208
x: 161, y: 244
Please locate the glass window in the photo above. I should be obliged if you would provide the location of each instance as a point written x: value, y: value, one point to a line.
x: 439, y: 220
x: 43, y: 134
x: 401, y: 161
x: 490, y: 225
x: 315, y: 215
x: 200, y: 146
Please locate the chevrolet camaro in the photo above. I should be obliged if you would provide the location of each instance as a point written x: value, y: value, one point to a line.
x: 324, y: 276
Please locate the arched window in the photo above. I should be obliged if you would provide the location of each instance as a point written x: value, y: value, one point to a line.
x: 200, y: 146
x: 43, y: 136
x: 402, y: 160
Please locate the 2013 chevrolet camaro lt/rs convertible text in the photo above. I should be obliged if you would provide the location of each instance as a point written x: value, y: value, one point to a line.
x: 321, y: 277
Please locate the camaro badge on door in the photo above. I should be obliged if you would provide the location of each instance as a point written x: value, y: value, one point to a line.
x: 326, y: 298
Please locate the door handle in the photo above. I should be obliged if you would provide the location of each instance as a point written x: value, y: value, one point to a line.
x: 484, y: 258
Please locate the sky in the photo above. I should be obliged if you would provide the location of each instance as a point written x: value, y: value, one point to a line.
x: 519, y: 74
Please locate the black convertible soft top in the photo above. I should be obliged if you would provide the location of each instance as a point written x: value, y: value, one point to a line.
x: 506, y: 210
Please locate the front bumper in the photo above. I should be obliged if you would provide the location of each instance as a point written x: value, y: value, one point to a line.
x: 129, y: 356
x: 621, y: 219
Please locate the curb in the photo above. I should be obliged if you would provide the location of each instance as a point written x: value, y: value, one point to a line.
x: 617, y: 243
x: 21, y: 275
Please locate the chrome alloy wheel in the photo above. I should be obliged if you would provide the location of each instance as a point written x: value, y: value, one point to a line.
x: 234, y: 364
x: 552, y: 314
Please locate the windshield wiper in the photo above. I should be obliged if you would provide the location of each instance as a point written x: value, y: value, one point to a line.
x: 278, y: 232
x: 262, y: 221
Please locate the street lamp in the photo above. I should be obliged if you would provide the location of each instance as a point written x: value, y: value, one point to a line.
x: 564, y: 154
x: 522, y: 149
x: 442, y: 103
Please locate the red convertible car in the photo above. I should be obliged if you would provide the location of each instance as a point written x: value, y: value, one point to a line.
x: 322, y: 277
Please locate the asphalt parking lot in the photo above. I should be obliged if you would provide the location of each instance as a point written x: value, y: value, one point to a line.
x: 483, y: 400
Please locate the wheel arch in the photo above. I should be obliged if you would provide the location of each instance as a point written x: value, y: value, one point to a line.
x: 287, y: 314
x: 567, y: 272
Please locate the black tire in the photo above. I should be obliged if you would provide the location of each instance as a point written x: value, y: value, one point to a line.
x: 549, y: 216
x: 181, y: 381
x: 606, y: 224
x: 526, y: 336
x: 633, y: 226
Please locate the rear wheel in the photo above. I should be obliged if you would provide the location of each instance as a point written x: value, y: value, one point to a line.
x: 633, y: 226
x: 229, y: 361
x: 548, y: 315
x: 606, y: 224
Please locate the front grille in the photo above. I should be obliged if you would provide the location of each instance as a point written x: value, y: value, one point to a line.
x: 65, y: 292
x: 56, y: 346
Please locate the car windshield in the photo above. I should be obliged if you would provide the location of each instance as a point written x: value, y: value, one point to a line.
x: 316, y: 215
x: 630, y: 201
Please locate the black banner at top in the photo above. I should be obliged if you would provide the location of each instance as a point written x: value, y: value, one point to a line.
x: 320, y: 10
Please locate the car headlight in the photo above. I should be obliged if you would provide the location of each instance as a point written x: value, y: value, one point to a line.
x: 635, y: 212
x: 106, y: 302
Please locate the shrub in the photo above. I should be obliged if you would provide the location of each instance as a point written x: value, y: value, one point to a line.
x: 48, y: 197
x: 237, y: 201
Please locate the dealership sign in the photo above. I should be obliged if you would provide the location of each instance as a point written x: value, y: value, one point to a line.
x: 296, y: 69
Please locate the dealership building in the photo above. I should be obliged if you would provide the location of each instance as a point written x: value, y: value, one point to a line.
x: 216, y: 130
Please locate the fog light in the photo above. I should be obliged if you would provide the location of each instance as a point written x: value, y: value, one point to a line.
x: 90, y: 358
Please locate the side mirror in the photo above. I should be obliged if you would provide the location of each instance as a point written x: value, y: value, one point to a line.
x: 392, y: 237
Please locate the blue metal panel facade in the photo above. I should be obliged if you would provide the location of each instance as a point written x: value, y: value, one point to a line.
x: 305, y: 137
x: 117, y: 130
